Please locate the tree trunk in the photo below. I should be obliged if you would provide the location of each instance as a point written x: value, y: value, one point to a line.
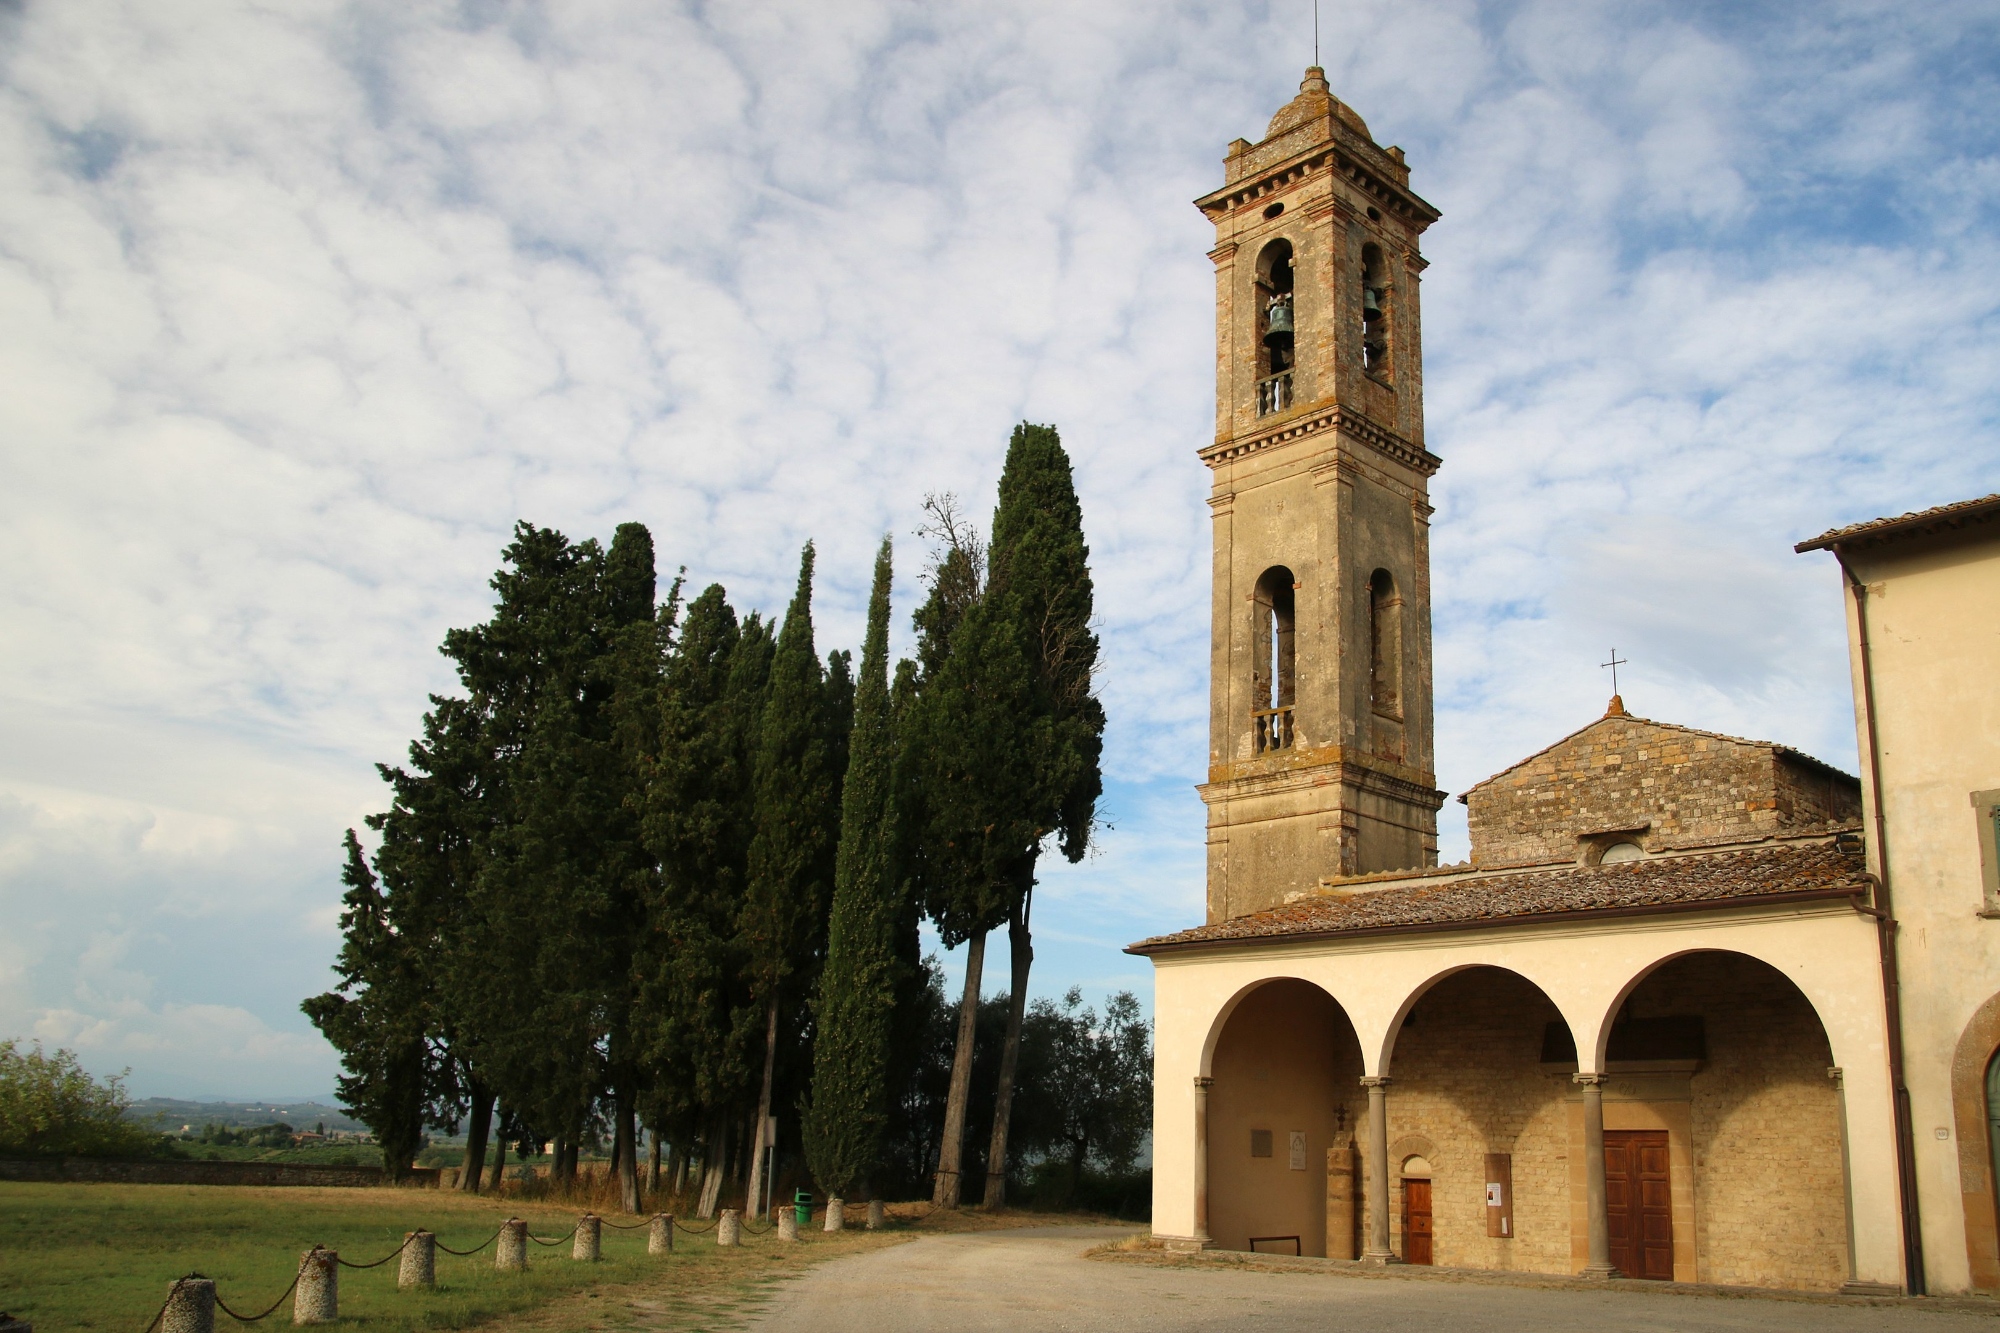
x: 499, y: 1153
x: 718, y: 1162
x: 627, y: 1150
x: 653, y: 1163
x: 763, y: 1109
x: 1022, y: 952
x: 945, y: 1195
x: 476, y: 1130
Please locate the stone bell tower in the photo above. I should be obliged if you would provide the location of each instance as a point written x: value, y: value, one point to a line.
x: 1320, y: 759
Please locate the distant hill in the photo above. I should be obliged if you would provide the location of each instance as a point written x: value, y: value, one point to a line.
x: 170, y: 1114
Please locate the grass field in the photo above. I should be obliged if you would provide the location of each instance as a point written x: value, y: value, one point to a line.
x: 101, y: 1257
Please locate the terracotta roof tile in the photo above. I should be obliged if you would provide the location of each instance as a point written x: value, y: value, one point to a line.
x: 1747, y: 875
x: 1984, y: 509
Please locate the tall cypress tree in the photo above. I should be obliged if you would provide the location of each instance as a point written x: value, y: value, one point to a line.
x: 966, y: 774
x: 1039, y: 580
x: 377, y: 1019
x: 858, y: 989
x: 792, y: 849
x: 698, y: 814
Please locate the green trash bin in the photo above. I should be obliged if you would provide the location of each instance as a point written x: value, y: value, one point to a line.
x: 802, y: 1207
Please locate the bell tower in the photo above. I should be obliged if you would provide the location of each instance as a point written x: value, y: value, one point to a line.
x: 1320, y: 759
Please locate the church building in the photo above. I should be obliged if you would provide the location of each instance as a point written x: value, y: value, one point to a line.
x: 1655, y: 1027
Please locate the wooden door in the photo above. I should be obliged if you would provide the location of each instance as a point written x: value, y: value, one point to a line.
x: 1416, y: 1221
x: 1638, y: 1198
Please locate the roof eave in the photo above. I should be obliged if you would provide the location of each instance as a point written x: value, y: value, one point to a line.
x: 1147, y: 949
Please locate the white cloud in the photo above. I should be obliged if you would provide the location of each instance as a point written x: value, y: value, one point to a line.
x: 301, y: 306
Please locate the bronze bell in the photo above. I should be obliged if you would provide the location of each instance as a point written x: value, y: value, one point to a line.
x: 1371, y: 302
x: 1279, y: 326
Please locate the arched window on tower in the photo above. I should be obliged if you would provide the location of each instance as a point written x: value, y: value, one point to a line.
x: 1273, y: 668
x: 1385, y: 645
x: 1375, y: 316
x: 1276, y: 342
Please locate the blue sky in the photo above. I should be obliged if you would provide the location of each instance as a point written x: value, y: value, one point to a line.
x: 302, y: 305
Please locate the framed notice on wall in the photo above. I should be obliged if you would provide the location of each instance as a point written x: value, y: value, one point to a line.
x: 1298, y: 1150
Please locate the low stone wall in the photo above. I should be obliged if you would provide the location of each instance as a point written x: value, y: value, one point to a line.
x: 168, y: 1171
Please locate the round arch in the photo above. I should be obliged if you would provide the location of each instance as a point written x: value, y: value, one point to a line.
x: 1281, y: 1096
x: 1978, y: 1047
x: 1385, y: 1054
x: 1606, y: 1020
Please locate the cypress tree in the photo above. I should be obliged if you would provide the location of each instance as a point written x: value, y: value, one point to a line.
x: 696, y: 824
x: 376, y: 1018
x: 966, y: 775
x: 855, y: 1012
x: 792, y: 849
x: 1039, y: 579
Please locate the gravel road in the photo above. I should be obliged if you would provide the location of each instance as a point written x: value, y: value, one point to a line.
x: 1037, y: 1279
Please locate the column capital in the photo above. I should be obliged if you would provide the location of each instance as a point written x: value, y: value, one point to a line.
x: 1204, y: 1082
x: 1590, y: 1080
x: 1375, y: 1080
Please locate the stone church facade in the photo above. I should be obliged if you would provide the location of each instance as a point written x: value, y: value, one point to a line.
x: 1652, y: 1027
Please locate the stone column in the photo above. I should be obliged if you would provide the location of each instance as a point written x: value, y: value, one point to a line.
x: 1600, y: 1265
x: 316, y: 1300
x: 788, y: 1223
x: 877, y: 1216
x: 660, y: 1235
x: 418, y: 1270
x: 589, y: 1238
x: 729, y: 1230
x: 190, y: 1306
x: 510, y: 1252
x: 1377, y: 1187
x: 1202, y: 1084
x: 836, y: 1213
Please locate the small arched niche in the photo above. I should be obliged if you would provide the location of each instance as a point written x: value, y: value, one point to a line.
x: 1385, y: 645
x: 1273, y: 660
x: 1277, y: 340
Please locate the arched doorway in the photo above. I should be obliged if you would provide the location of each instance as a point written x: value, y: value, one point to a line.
x: 1286, y: 1074
x: 1722, y: 1113
x: 1478, y: 1126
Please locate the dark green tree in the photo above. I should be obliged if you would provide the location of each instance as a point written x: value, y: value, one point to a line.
x: 376, y: 1019
x: 797, y: 805
x: 697, y: 818
x: 855, y: 1012
x: 1039, y: 584
x: 963, y: 771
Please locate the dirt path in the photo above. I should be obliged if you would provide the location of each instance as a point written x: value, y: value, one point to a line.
x: 1038, y: 1279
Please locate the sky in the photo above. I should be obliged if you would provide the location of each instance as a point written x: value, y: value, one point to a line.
x: 303, y: 304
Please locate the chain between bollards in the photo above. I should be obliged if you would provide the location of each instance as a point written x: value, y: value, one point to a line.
x: 192, y: 1301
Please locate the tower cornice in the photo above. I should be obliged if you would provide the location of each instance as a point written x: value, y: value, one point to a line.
x: 1323, y: 157
x: 1341, y: 421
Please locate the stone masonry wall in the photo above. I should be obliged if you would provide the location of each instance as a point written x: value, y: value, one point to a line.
x: 1622, y: 772
x: 1770, y: 1201
x: 1466, y: 1080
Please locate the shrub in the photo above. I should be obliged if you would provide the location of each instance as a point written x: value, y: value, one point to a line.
x: 49, y: 1107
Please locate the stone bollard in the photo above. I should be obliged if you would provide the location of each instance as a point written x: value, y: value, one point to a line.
x: 729, y: 1230
x: 510, y: 1252
x: 788, y: 1224
x: 836, y: 1215
x: 418, y: 1271
x: 876, y: 1217
x: 190, y: 1306
x: 660, y: 1235
x: 316, y: 1300
x: 589, y: 1238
